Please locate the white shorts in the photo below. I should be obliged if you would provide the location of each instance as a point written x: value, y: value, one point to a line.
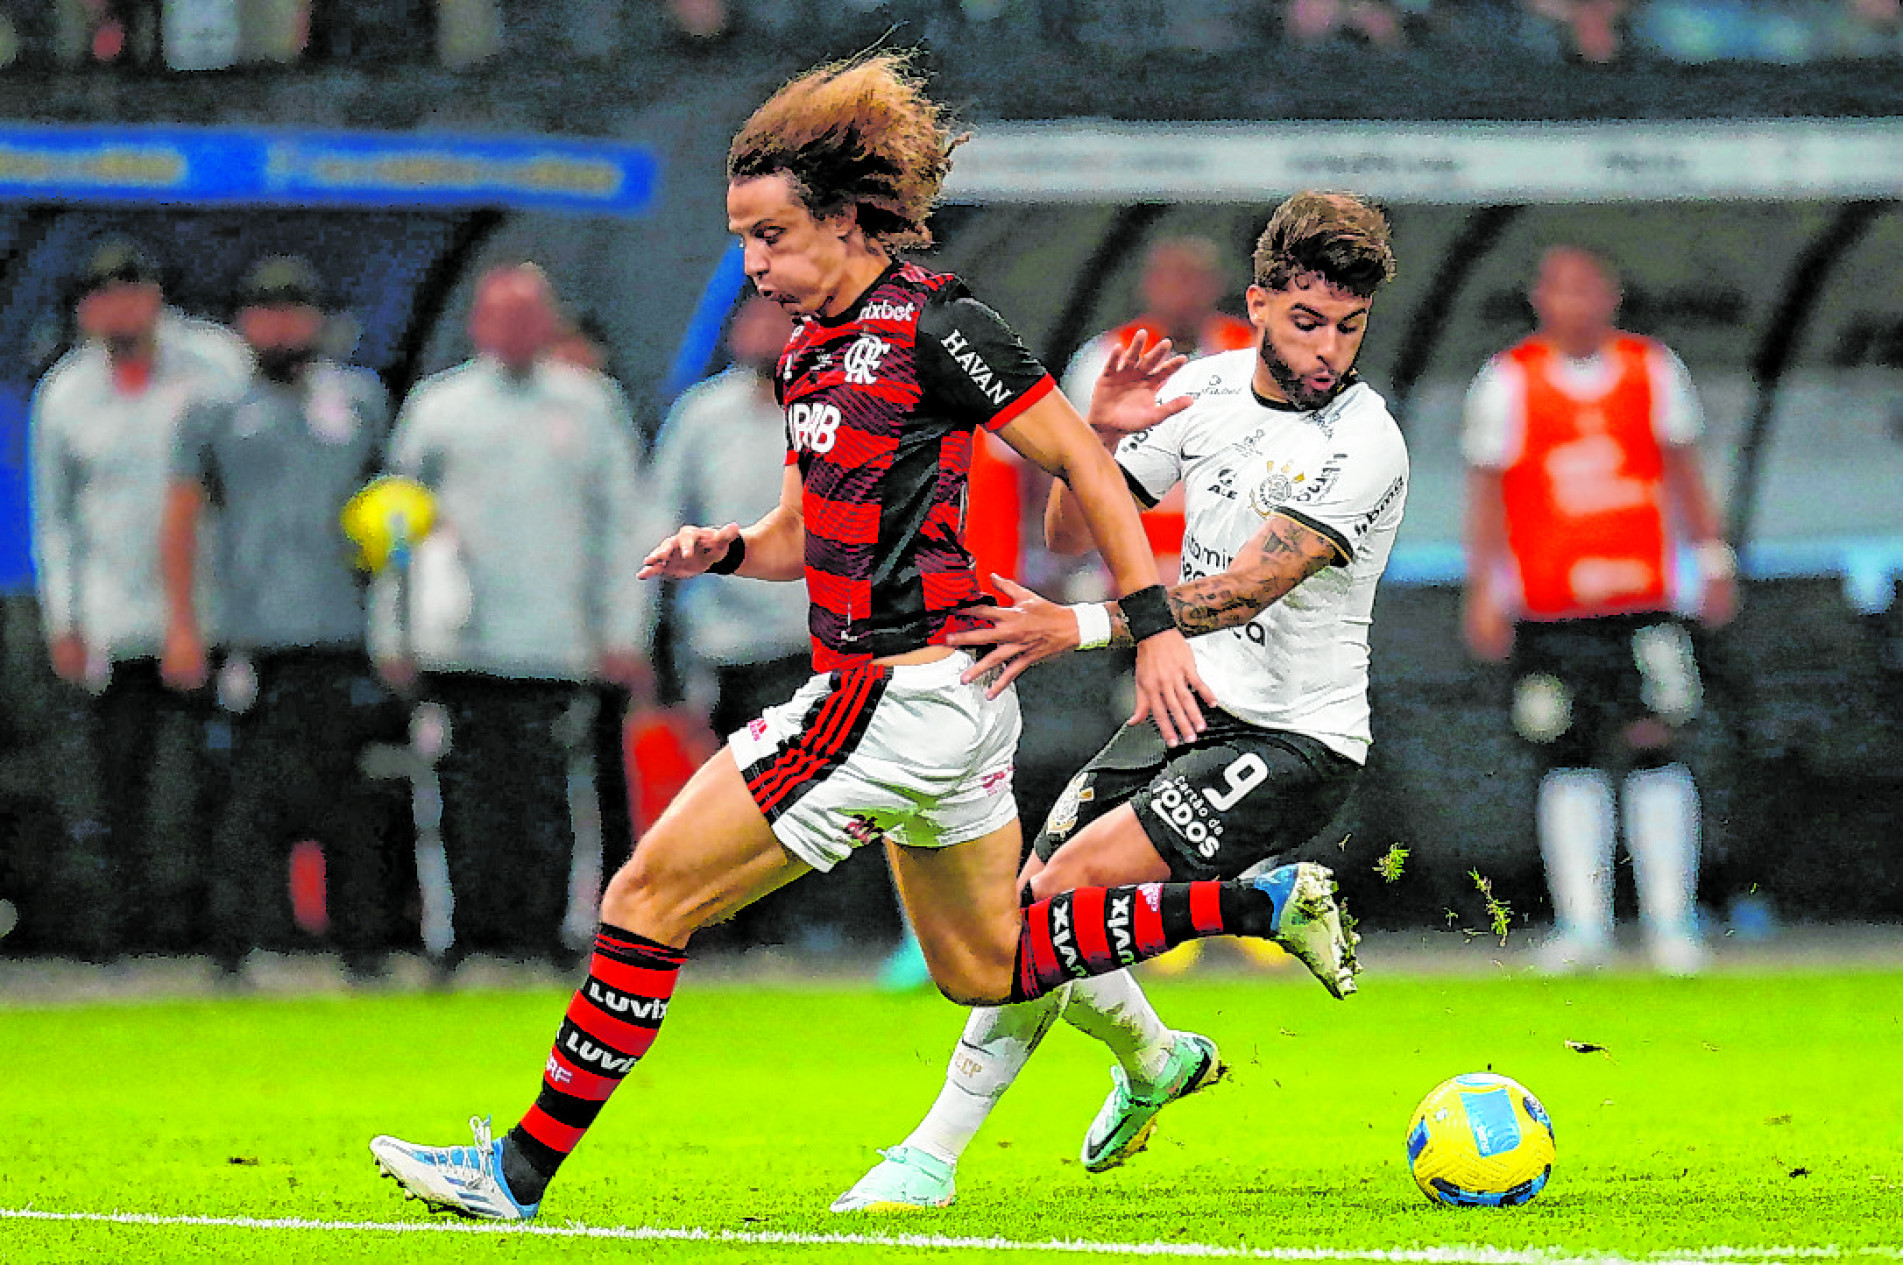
x: 905, y: 753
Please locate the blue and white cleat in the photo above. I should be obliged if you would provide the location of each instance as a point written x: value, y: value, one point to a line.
x: 905, y: 1180
x: 1128, y: 1117
x: 1309, y: 924
x: 466, y: 1180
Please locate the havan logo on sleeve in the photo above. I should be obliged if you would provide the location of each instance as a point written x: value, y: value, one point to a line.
x: 968, y: 359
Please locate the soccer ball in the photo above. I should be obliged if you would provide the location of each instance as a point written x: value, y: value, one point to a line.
x: 388, y: 516
x: 1480, y: 1141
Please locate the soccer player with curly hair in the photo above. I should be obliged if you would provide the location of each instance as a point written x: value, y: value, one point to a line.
x: 891, y: 370
x: 1295, y: 481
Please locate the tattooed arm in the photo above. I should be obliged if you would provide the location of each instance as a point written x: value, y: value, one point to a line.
x: 1279, y: 557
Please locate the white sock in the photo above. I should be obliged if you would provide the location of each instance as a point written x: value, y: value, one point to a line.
x: 1661, y: 832
x: 1575, y: 823
x: 1113, y: 1009
x: 996, y: 1044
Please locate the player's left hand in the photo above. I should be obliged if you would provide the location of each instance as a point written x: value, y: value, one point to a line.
x: 628, y: 670
x: 1168, y: 686
x: 1030, y: 630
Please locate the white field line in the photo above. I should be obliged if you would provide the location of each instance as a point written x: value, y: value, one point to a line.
x: 1458, y: 1255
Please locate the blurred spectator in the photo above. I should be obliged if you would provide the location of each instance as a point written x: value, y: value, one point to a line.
x: 1181, y: 284
x: 699, y: 19
x: 103, y: 423
x: 1581, y: 446
x: 524, y: 592
x: 1778, y: 31
x: 750, y: 638
x: 1592, y: 30
x: 581, y: 341
x: 363, y: 32
x: 120, y: 32
x: 276, y: 464
x: 1882, y: 15
x: 1376, y: 21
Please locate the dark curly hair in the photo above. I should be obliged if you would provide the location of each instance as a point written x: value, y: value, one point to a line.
x: 1342, y: 237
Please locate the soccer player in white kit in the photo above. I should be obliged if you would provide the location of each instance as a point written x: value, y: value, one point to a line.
x: 1295, y: 478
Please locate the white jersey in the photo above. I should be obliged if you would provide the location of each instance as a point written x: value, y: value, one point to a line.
x: 1302, y: 664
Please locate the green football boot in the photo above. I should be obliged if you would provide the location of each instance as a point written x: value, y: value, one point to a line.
x: 1123, y: 1126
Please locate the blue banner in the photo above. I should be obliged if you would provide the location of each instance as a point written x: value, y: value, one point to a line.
x: 183, y: 166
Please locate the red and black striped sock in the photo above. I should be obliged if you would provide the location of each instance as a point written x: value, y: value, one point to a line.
x: 1095, y: 930
x: 610, y: 1024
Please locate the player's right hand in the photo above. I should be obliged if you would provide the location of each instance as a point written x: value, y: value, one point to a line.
x: 1124, y: 401
x: 1486, y: 628
x: 1030, y: 630
x: 182, y: 664
x: 68, y: 652
x: 1168, y: 686
x: 398, y: 672
x: 689, y: 551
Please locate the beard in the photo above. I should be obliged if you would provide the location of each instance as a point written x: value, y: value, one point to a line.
x: 283, y: 365
x: 1299, y: 393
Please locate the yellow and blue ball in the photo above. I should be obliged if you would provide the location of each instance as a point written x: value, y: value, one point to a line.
x: 387, y: 518
x: 1480, y: 1141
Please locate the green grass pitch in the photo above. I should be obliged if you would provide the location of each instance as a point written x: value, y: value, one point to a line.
x: 1732, y: 1117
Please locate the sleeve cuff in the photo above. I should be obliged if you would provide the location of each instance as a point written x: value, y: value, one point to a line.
x: 1016, y: 408
x: 1333, y: 535
x: 1141, y: 493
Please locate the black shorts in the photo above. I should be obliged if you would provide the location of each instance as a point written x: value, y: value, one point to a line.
x: 1239, y: 795
x: 1578, y: 684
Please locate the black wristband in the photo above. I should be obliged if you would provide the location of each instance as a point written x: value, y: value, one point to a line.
x: 1147, y: 612
x: 729, y: 562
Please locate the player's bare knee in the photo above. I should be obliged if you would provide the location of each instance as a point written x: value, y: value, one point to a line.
x: 975, y: 987
x: 972, y: 976
x: 641, y: 898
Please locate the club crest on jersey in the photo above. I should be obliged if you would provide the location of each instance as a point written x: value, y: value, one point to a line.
x: 1275, y: 488
x: 1063, y: 816
x: 861, y: 361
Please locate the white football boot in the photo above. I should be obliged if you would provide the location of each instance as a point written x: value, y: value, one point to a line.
x: 466, y: 1180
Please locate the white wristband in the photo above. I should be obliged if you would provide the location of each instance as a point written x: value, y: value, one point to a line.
x: 1093, y: 625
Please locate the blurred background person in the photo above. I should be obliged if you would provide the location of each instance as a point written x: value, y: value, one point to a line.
x: 1591, y: 31
x: 1181, y: 284
x: 736, y: 641
x: 581, y: 340
x: 736, y: 644
x: 1583, y: 476
x: 1378, y: 22
x: 527, y: 595
x: 276, y: 465
x: 102, y: 425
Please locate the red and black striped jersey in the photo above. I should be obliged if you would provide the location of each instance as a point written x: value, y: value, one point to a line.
x: 881, y: 404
